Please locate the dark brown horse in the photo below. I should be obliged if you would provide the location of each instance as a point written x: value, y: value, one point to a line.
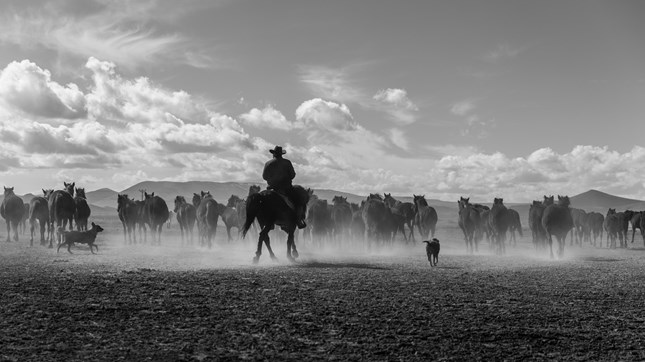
x: 82, y: 213
x: 11, y: 210
x: 341, y: 218
x: 270, y: 210
x: 39, y: 212
x: 25, y: 217
x: 404, y: 213
x: 514, y: 225
x: 376, y: 217
x: 469, y: 220
x: 425, y: 217
x: 614, y: 225
x: 319, y: 222
x: 186, y: 217
x: 229, y: 218
x: 535, y: 224
x: 130, y: 212
x: 579, y: 217
x: 207, y: 216
x: 634, y: 218
x: 594, y: 227
x: 357, y: 226
x: 61, y: 209
x: 498, y: 222
x: 155, y: 214
x: 557, y: 220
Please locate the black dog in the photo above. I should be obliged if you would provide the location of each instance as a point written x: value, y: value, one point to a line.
x: 432, y: 249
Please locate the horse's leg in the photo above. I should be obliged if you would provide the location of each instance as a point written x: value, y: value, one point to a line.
x: 16, y: 224
x: 228, y: 233
x: 292, y: 242
x: 8, y: 231
x: 258, y: 251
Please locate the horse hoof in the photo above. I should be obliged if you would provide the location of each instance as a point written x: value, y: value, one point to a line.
x: 255, y: 259
x: 295, y: 254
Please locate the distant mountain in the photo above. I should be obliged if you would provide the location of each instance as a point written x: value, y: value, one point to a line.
x: 594, y: 200
x: 102, y: 197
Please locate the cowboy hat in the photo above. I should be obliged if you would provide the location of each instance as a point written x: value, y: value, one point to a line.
x: 278, y: 150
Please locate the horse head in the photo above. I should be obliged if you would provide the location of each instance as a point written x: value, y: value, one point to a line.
x: 197, y: 199
x: 47, y: 193
x: 69, y: 187
x: 563, y: 200
x: 498, y: 201
x: 121, y: 201
x: 420, y: 200
x: 206, y: 194
x: 375, y: 197
x: 148, y: 196
x: 233, y: 200
x: 179, y: 200
x: 548, y: 200
x: 80, y: 192
x: 254, y: 189
x: 611, y: 212
x: 463, y: 202
x: 8, y: 191
x: 339, y: 200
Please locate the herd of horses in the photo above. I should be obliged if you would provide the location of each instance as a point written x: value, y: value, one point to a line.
x: 54, y: 210
x: 547, y: 220
x: 377, y: 220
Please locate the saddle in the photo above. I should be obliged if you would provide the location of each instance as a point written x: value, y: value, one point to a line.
x: 284, y: 197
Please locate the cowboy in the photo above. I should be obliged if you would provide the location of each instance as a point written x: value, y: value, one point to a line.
x: 279, y: 173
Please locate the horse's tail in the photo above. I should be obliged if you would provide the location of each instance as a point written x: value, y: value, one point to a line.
x: 252, y: 209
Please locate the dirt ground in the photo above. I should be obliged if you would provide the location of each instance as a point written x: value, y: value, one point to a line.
x: 189, y: 303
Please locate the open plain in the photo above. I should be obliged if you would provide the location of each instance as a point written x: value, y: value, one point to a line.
x: 168, y: 302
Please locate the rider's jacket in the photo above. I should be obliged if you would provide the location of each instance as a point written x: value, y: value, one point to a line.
x: 278, y: 173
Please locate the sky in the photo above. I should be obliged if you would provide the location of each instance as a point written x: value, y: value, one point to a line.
x: 512, y: 99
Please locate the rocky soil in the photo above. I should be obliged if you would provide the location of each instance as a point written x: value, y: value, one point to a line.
x: 187, y: 303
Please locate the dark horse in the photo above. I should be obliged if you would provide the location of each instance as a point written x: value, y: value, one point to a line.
x: 83, y: 211
x: 207, y: 216
x: 38, y: 211
x: 11, y: 210
x: 498, y: 222
x: 186, y: 217
x: 557, y: 220
x: 425, y: 217
x: 270, y: 210
x: 377, y: 219
x: 403, y: 213
x: 469, y: 220
x: 61, y: 209
x: 514, y: 224
x: 229, y: 217
x: 130, y: 215
x: 341, y: 217
x: 155, y: 214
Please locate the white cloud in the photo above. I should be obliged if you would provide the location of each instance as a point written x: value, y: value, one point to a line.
x: 398, y: 138
x: 503, y: 51
x: 28, y: 88
x: 396, y: 103
x: 332, y: 83
x: 122, y: 32
x: 462, y: 108
x: 326, y: 115
x: 269, y: 117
